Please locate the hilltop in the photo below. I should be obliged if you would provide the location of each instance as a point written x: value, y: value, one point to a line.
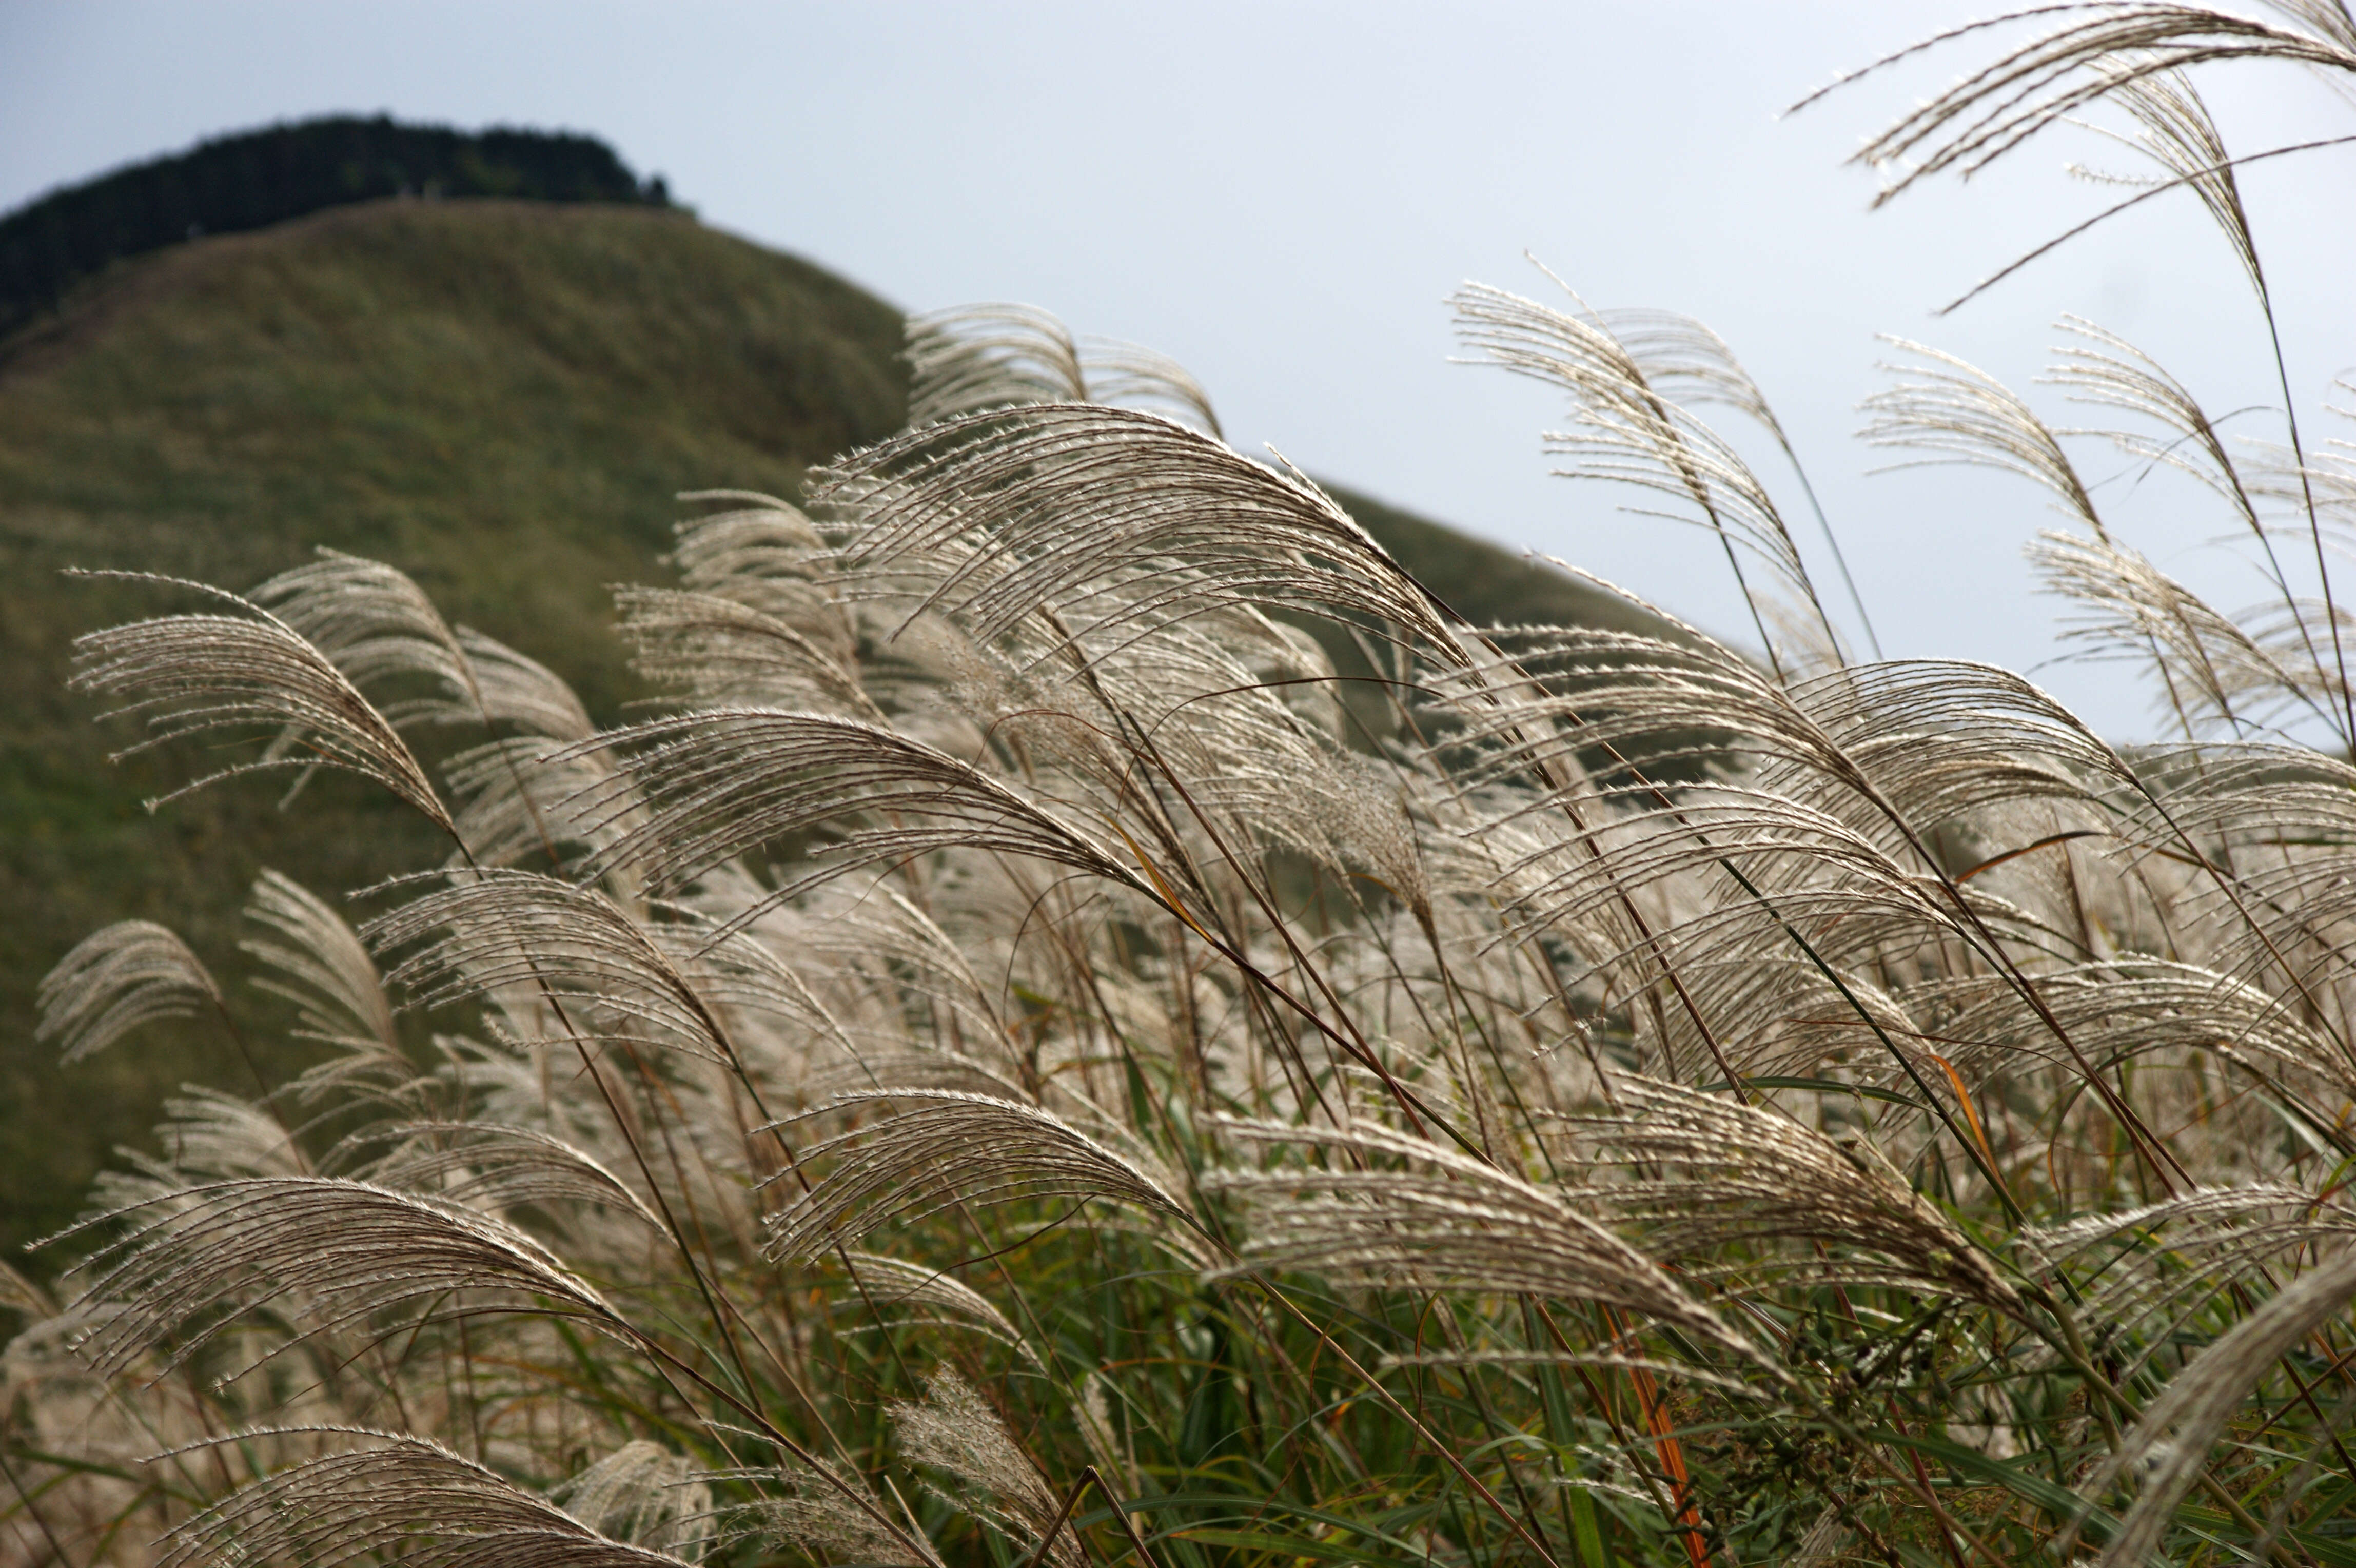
x: 500, y: 397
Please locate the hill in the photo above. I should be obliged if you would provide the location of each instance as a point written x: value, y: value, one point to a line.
x: 501, y: 398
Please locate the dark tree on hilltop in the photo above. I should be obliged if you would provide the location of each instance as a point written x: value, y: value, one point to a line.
x: 260, y: 177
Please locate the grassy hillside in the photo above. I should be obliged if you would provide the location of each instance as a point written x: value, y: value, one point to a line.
x: 501, y: 398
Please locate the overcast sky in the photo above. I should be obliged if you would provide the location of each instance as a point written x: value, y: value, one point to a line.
x: 1282, y: 195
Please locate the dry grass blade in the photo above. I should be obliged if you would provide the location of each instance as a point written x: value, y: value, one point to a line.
x: 406, y: 1498
x: 1707, y: 1174
x: 947, y: 1149
x: 345, y: 1249
x: 1114, y: 517
x: 250, y: 674
x: 113, y: 980
x: 1462, y: 1226
x: 716, y: 785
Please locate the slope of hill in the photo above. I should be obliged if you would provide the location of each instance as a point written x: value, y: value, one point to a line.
x: 500, y: 398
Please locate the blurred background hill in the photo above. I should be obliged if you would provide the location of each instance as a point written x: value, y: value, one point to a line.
x: 498, y: 395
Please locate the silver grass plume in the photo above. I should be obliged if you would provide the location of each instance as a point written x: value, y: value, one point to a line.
x: 207, y: 1135
x: 1122, y: 517
x: 327, y: 972
x: 115, y: 980
x: 643, y: 1493
x: 810, y: 1508
x: 1688, y: 363
x: 2123, y: 1008
x: 2102, y: 370
x: 1959, y: 413
x: 969, y: 358
x: 1126, y: 375
x: 2100, y: 48
x: 405, y: 1497
x: 1707, y: 1172
x: 2325, y: 477
x: 345, y: 1250
x: 250, y: 674
x: 944, y: 1150
x: 954, y: 1430
x: 377, y: 623
x: 2140, y: 1263
x: 492, y: 1167
x: 720, y: 652
x: 1691, y: 365
x: 2105, y: 371
x: 1626, y: 431
x: 2177, y: 133
x: 2170, y: 1446
x: 2211, y: 670
x: 519, y: 689
x: 516, y: 803
x: 896, y: 1283
x: 1463, y: 1225
x: 716, y: 785
x: 1933, y: 739
x: 491, y: 929
x: 974, y: 357
x: 765, y: 555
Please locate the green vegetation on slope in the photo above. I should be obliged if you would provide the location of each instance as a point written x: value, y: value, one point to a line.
x: 500, y: 398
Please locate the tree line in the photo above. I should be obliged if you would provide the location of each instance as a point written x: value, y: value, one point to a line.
x: 259, y: 178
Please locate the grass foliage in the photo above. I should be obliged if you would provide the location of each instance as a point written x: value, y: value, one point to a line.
x: 500, y: 396
x: 1009, y: 1065
x: 503, y: 397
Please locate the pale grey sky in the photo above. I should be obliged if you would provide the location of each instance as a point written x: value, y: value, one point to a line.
x: 1281, y: 196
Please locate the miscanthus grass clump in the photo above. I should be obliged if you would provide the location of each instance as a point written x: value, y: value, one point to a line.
x: 1103, y: 1023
